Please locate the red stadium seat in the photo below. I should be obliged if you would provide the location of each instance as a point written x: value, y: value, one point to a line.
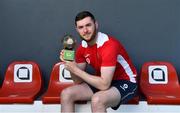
x: 22, y: 83
x: 159, y: 83
x: 59, y: 80
x: 58, y: 83
x: 134, y: 100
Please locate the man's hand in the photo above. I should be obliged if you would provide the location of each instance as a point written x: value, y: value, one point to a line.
x: 61, y: 56
x: 74, y: 68
x: 71, y: 66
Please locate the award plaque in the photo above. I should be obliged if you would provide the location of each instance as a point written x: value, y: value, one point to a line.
x: 69, y: 47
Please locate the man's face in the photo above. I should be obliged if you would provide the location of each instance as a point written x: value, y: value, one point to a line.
x: 86, y: 29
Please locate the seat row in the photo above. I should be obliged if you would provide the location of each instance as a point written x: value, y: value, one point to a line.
x: 23, y: 83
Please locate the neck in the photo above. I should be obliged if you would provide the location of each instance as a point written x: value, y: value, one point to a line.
x: 93, y: 42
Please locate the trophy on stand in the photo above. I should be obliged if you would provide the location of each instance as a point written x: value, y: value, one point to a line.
x: 69, y: 44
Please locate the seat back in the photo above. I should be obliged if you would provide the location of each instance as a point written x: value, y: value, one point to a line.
x: 60, y: 76
x: 158, y: 76
x: 22, y: 76
x: 59, y: 79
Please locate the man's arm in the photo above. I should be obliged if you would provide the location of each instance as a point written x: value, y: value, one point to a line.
x: 103, y: 82
x: 81, y: 66
x: 75, y: 78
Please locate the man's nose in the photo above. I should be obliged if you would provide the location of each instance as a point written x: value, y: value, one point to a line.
x: 85, y: 30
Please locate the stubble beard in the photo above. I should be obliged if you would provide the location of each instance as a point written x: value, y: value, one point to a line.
x: 92, y: 37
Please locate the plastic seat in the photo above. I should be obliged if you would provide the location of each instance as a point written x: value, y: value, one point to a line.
x: 159, y: 83
x: 134, y: 100
x: 22, y: 83
x: 59, y: 80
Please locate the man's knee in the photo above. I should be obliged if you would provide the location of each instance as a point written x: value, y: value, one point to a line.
x: 66, y: 95
x: 98, y: 101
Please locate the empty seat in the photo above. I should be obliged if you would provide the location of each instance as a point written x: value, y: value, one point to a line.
x: 60, y: 78
x: 159, y: 83
x: 22, y: 83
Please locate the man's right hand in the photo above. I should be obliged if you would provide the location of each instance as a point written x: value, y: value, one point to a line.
x: 61, y: 56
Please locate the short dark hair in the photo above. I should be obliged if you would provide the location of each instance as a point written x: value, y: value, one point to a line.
x: 84, y: 14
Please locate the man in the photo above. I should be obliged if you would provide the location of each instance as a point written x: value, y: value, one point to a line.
x: 115, y: 79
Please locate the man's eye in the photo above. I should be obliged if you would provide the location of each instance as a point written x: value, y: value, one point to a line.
x: 88, y: 25
x: 80, y: 27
